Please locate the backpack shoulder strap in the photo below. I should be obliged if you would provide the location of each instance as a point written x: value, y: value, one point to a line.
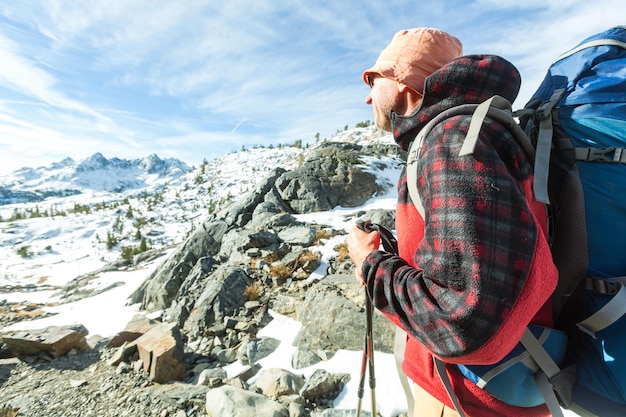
x: 544, y: 146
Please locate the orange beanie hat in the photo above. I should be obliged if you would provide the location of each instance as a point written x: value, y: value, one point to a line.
x: 414, y: 54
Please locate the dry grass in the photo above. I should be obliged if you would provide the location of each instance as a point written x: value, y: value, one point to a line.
x: 271, y: 257
x: 342, y: 250
x: 7, y: 411
x: 252, y: 291
x: 281, y: 271
x: 322, y: 234
x: 306, y: 257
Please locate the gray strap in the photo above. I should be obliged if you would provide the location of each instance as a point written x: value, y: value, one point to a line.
x: 597, y: 42
x: 601, y: 154
x: 609, y: 314
x: 545, y: 387
x: 398, y: 351
x: 440, y: 366
x: 411, y: 173
x: 539, y: 354
x: 544, y: 147
x: 469, y: 143
x: 548, y: 369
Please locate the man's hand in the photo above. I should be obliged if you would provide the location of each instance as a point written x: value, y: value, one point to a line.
x: 360, y: 244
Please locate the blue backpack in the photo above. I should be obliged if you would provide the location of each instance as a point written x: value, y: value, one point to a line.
x: 577, y: 123
x: 574, y: 132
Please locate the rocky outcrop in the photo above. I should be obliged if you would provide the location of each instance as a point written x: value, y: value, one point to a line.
x: 160, y: 288
x: 331, y: 175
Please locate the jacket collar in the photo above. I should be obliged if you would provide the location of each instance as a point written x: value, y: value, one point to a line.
x: 466, y: 80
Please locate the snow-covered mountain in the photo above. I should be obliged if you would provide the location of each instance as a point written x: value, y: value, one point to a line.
x: 94, y: 173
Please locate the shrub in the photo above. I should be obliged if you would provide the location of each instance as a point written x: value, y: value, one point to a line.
x: 127, y: 252
x: 25, y: 251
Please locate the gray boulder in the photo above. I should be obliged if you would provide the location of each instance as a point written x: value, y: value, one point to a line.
x: 342, y: 324
x: 330, y: 176
x: 228, y: 401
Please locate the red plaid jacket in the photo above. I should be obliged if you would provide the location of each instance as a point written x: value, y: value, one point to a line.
x: 477, y: 269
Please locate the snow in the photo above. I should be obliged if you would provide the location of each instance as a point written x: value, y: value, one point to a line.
x: 66, y: 247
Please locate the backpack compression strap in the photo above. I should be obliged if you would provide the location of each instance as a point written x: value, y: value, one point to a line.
x: 611, y: 311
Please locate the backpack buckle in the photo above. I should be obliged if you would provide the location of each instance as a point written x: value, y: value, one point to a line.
x: 602, y: 286
x: 603, y: 154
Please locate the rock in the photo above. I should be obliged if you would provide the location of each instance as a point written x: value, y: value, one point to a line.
x: 6, y: 366
x: 303, y: 357
x: 240, y: 213
x: 321, y: 384
x: 228, y: 401
x: 386, y: 218
x: 76, y: 383
x: 302, y: 236
x: 330, y: 176
x: 158, y: 291
x: 275, y: 382
x: 178, y: 394
x: 123, y: 353
x: 257, y: 349
x: 54, y: 340
x: 211, y: 377
x: 342, y: 326
x: 136, y: 327
x: 221, y: 294
x: 161, y: 351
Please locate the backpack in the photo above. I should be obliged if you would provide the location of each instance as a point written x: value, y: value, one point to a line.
x: 574, y: 129
x: 577, y: 123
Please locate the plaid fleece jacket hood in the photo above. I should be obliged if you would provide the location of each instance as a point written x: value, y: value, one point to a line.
x: 477, y: 269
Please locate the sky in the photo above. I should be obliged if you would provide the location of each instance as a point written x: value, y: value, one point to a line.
x: 200, y: 78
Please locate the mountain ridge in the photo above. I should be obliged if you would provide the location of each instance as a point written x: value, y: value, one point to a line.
x: 95, y: 172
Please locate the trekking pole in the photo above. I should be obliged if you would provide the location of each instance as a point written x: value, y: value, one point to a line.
x: 368, y: 358
x: 362, y: 378
x: 368, y: 349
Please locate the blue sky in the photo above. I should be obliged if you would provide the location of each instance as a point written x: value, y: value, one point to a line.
x: 195, y: 79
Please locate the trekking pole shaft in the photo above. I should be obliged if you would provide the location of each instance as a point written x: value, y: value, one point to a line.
x: 361, y: 381
x: 370, y: 349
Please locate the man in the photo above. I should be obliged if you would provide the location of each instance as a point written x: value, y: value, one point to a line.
x: 476, y: 269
